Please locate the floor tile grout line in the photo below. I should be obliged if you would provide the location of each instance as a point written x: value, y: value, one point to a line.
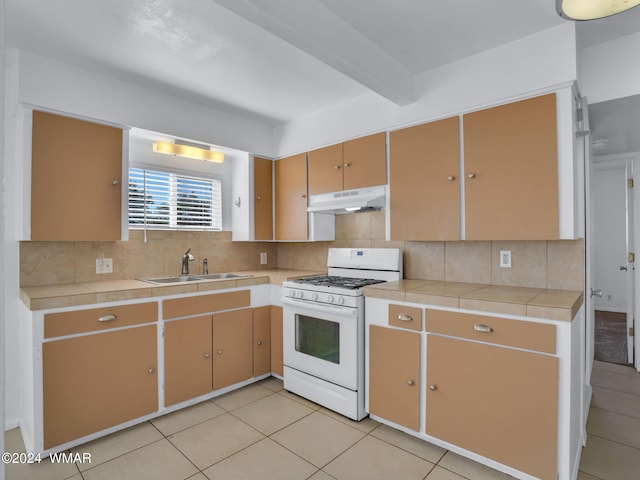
x: 591, y: 474
x: 614, y: 390
x: 613, y: 441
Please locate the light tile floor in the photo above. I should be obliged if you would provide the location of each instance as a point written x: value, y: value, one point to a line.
x: 264, y: 432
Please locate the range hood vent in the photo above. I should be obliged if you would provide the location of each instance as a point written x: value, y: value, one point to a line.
x: 349, y: 201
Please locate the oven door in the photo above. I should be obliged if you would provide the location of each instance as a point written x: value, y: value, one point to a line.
x: 322, y: 340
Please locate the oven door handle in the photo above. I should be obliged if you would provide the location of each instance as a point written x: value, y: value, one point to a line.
x: 319, y: 307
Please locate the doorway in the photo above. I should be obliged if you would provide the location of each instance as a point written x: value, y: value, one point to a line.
x: 612, y: 195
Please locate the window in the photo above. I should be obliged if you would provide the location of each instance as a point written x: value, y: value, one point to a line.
x: 169, y: 200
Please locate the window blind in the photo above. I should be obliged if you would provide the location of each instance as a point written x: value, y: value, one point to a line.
x: 169, y: 200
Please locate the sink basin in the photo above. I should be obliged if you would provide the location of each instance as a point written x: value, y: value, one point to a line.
x: 176, y: 279
x: 191, y: 278
x: 216, y: 276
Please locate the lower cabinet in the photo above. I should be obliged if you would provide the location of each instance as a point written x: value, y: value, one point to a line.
x: 187, y: 356
x: 96, y: 381
x: 232, y: 347
x: 394, y: 375
x: 261, y: 341
x: 498, y: 402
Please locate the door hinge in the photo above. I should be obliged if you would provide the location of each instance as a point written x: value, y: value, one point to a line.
x: 631, y: 258
x: 630, y: 182
x: 632, y: 331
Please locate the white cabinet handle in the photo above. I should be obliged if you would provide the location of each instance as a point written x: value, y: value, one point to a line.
x: 451, y: 178
x: 207, y: 355
x: 403, y: 317
x: 479, y: 327
x: 107, y: 318
x: 347, y: 164
x: 410, y: 383
x: 337, y: 167
x: 115, y: 182
x: 259, y: 197
x: 433, y: 388
x: 219, y: 352
x: 472, y: 175
x: 151, y: 370
x: 259, y: 342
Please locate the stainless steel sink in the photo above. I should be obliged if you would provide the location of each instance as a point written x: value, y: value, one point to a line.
x: 217, y: 276
x: 176, y: 279
x: 191, y: 278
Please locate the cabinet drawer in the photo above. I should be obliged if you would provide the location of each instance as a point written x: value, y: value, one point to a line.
x: 216, y: 302
x: 81, y: 321
x: 405, y: 317
x: 501, y: 331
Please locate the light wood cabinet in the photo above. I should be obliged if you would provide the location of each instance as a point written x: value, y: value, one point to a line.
x: 498, y: 402
x: 424, y: 187
x: 97, y: 381
x: 291, y: 198
x: 394, y: 375
x: 511, y: 171
x: 76, y: 179
x: 353, y: 164
x: 188, y: 370
x: 261, y: 341
x: 232, y: 347
x: 277, y: 360
x: 263, y: 198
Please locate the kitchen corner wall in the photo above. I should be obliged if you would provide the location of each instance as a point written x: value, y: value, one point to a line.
x: 557, y: 264
x: 56, y: 263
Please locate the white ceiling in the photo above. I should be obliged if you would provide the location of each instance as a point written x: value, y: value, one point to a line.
x: 277, y: 60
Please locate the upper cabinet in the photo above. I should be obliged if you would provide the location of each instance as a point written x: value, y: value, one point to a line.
x: 76, y: 179
x: 353, y: 164
x: 511, y: 171
x: 515, y: 172
x: 263, y: 198
x: 424, y: 186
x: 291, y: 198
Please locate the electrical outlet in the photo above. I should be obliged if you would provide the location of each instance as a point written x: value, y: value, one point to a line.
x: 505, y: 258
x: 104, y: 265
x: 263, y: 258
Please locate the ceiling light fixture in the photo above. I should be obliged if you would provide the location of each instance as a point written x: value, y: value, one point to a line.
x: 592, y: 9
x: 189, y: 150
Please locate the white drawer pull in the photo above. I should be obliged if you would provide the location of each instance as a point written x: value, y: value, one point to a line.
x: 404, y: 317
x: 107, y: 318
x: 479, y: 327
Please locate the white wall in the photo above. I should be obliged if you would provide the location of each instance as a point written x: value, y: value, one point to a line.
x: 2, y: 229
x: 609, y: 195
x: 611, y: 70
x: 528, y: 66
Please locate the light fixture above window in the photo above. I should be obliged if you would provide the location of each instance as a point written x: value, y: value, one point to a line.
x: 185, y: 149
x: 592, y: 9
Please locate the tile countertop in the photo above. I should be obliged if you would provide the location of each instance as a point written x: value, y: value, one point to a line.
x: 530, y: 302
x: 56, y: 296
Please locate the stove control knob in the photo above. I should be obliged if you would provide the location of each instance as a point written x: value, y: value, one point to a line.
x: 330, y: 298
x: 314, y: 296
x: 291, y: 293
x: 300, y: 294
x: 340, y: 301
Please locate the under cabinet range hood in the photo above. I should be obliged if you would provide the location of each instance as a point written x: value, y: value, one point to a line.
x: 349, y: 201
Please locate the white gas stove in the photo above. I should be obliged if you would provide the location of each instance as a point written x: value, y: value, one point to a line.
x: 324, y: 327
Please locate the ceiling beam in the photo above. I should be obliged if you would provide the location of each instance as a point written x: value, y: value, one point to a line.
x: 315, y: 29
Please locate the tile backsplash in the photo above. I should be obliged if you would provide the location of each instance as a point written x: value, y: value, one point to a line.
x: 55, y: 263
x: 557, y: 264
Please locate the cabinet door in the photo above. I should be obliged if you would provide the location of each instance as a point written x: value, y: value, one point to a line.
x: 365, y: 161
x: 291, y: 198
x: 97, y: 381
x: 187, y: 359
x: 232, y: 347
x: 277, y: 362
x: 76, y: 184
x: 511, y: 171
x: 325, y: 170
x: 261, y: 340
x: 394, y: 375
x: 497, y: 402
x: 424, y: 188
x: 263, y: 198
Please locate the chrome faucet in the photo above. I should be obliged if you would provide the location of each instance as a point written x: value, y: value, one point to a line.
x: 205, y: 267
x: 186, y: 258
